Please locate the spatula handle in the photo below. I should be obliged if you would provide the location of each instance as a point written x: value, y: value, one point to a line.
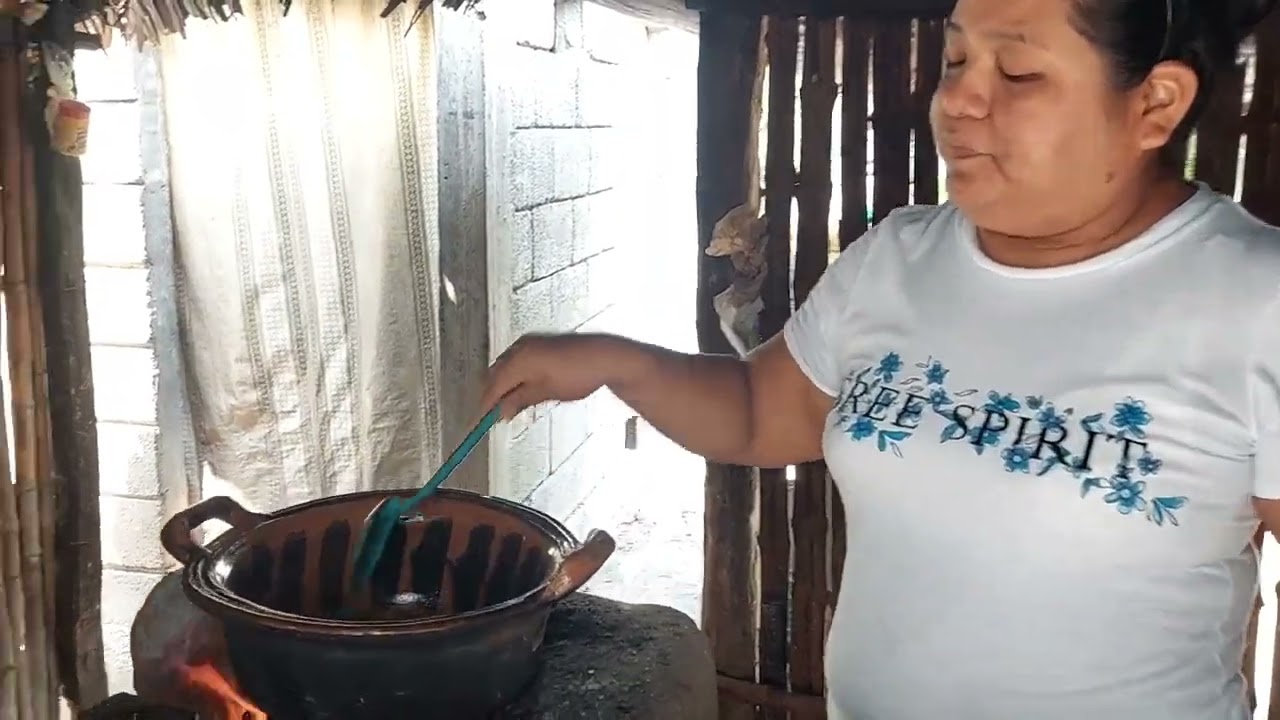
x: 455, y: 458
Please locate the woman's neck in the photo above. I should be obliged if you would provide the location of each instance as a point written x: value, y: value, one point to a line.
x: 1125, y: 218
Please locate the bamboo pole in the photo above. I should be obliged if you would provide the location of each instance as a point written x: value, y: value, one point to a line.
x: 8, y: 655
x: 11, y: 503
x: 42, y: 428
x: 9, y: 680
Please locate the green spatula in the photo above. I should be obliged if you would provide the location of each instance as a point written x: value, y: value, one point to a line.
x: 385, y: 516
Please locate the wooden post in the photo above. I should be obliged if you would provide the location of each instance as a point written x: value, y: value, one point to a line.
x: 782, y: 41
x: 464, y: 237
x: 729, y: 78
x: 813, y: 198
x: 73, y: 424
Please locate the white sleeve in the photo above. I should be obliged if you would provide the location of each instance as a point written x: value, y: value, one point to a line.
x: 810, y: 331
x: 1264, y: 394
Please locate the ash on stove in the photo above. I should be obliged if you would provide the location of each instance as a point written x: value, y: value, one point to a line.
x: 124, y: 706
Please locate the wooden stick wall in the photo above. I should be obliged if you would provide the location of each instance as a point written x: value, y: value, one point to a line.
x: 28, y: 672
x: 858, y: 84
x: 50, y: 551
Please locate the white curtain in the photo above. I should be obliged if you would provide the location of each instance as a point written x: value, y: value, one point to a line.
x: 303, y: 178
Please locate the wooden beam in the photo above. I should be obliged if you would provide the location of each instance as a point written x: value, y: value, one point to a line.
x: 661, y: 13
x: 729, y: 86
x: 464, y: 247
x: 74, y: 429
x: 782, y: 39
x: 732, y: 689
x: 826, y: 8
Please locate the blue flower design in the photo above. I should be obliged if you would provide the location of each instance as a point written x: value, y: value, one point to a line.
x: 1161, y: 510
x: 862, y: 428
x: 1017, y: 459
x: 1002, y: 403
x: 1092, y: 423
x: 1050, y: 418
x: 1034, y: 402
x: 1131, y: 418
x: 890, y: 364
x: 1072, y: 466
x: 1149, y: 464
x: 939, y: 399
x: 988, y: 439
x: 1126, y: 494
x: 889, y: 439
x: 936, y: 373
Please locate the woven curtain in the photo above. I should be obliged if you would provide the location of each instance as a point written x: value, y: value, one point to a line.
x: 303, y: 180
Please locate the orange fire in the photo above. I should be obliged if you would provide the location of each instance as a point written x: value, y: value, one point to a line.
x: 227, y: 702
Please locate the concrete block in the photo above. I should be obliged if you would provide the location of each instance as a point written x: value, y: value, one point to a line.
x: 611, y: 36
x: 572, y: 150
x: 119, y: 304
x: 115, y: 646
x: 114, y: 233
x: 570, y: 428
x: 123, y: 592
x: 522, y: 240
x: 124, y: 382
x: 598, y: 223
x: 608, y: 159
x: 545, y: 88
x: 571, y: 483
x: 532, y: 168
x: 534, y: 21
x: 114, y: 148
x: 553, y: 304
x: 127, y: 460
x: 529, y: 457
x: 602, y: 94
x: 607, y: 283
x: 553, y: 237
x: 105, y: 74
x: 131, y: 533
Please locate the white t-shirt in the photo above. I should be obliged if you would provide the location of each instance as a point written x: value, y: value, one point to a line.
x: 1047, y: 473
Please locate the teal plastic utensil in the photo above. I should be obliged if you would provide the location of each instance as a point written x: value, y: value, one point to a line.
x: 383, y: 519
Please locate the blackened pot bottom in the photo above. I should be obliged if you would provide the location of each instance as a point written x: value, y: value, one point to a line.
x: 602, y: 660
x: 471, y: 675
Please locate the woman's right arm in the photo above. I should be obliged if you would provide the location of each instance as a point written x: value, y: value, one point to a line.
x: 767, y: 410
x: 761, y: 411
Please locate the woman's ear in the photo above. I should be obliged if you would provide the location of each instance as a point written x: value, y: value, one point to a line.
x: 1165, y: 98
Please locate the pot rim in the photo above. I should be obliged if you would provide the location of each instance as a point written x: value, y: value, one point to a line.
x: 214, y: 598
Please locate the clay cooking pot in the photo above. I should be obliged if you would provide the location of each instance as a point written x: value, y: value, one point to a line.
x: 450, y: 629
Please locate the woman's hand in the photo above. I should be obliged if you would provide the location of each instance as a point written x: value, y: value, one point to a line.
x: 542, y: 368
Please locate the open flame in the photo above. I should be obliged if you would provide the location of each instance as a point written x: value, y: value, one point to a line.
x: 224, y: 698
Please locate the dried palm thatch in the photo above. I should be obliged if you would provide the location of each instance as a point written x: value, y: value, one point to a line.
x: 143, y: 22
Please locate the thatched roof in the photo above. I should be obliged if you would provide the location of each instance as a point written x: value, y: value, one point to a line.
x: 145, y: 21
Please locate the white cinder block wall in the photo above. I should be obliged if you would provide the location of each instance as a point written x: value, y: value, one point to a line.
x: 123, y: 356
x: 574, y: 81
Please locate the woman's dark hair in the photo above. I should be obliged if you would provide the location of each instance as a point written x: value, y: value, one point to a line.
x: 1135, y: 35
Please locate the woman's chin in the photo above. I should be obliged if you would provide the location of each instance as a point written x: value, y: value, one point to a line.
x: 970, y: 190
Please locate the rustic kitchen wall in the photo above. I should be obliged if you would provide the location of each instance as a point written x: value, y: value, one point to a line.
x: 591, y: 172
x: 145, y: 474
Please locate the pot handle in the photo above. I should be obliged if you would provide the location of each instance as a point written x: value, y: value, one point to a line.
x: 579, y: 565
x: 176, y: 538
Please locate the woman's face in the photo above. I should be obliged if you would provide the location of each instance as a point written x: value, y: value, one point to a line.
x: 1034, y: 134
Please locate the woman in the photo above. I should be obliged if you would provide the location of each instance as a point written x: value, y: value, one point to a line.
x: 1052, y: 405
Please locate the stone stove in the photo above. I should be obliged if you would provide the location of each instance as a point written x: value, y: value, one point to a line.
x: 600, y: 660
